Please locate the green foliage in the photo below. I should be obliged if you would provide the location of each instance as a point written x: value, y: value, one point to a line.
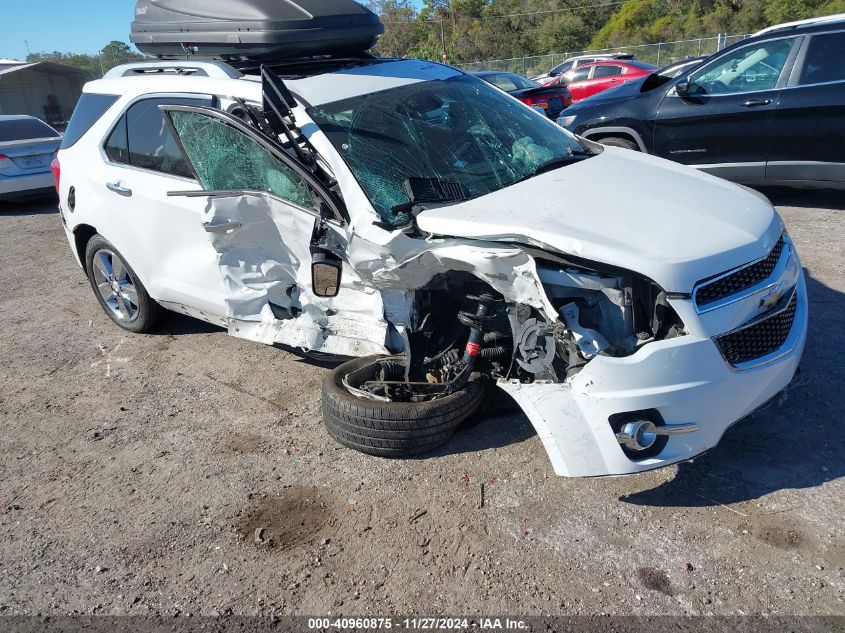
x: 112, y: 54
x: 646, y: 21
x: 472, y: 30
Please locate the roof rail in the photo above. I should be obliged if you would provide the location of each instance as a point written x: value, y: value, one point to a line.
x: 787, y: 25
x: 215, y: 70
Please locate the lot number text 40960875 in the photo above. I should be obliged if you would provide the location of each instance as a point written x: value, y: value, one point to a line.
x: 417, y: 624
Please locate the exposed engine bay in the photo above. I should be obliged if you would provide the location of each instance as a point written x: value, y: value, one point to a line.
x: 462, y: 326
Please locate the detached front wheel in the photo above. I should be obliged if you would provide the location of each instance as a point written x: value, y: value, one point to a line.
x: 392, y: 429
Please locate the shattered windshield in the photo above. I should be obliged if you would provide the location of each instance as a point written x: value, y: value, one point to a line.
x: 456, y: 135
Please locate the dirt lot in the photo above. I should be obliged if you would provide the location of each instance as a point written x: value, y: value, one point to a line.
x: 137, y: 469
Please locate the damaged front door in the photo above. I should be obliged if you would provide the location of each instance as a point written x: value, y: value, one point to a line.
x: 263, y: 213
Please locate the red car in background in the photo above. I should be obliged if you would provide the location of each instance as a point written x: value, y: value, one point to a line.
x: 585, y: 81
x: 550, y: 99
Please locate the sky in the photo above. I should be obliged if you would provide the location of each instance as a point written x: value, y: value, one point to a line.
x: 78, y: 26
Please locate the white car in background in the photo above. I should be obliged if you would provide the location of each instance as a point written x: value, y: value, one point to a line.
x: 446, y: 237
x: 27, y: 148
x: 572, y: 63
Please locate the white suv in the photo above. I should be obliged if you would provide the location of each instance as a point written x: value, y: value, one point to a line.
x: 446, y: 237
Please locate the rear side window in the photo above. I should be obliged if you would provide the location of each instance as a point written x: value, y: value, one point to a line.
x: 606, y: 71
x: 142, y: 138
x: 117, y: 147
x: 824, y: 62
x: 24, y: 129
x: 502, y: 81
x: 89, y: 109
x: 565, y: 67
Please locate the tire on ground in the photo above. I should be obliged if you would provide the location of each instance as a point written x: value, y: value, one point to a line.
x: 149, y: 312
x: 618, y: 141
x: 394, y: 429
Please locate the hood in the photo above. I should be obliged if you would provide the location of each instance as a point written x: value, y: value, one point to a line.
x: 663, y: 220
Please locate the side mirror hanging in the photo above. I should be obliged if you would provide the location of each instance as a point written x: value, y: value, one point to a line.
x: 326, y: 274
x: 326, y: 266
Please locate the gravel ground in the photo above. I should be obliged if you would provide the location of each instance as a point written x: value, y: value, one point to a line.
x: 137, y: 470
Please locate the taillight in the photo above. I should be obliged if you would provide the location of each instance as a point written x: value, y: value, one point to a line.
x: 56, y: 168
x: 540, y: 102
x: 3, y: 157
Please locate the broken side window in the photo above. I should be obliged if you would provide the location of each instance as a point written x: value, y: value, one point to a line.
x: 226, y: 159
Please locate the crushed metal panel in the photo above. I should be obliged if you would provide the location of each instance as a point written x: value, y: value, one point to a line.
x: 508, y: 270
x: 266, y: 265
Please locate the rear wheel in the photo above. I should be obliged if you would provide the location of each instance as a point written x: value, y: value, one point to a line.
x: 118, y: 289
x: 618, y: 141
x: 392, y: 429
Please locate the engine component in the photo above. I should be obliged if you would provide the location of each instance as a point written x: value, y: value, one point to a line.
x: 590, y: 343
x: 477, y: 324
x: 416, y: 378
x: 536, y: 347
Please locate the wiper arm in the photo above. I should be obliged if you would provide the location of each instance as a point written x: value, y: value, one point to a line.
x: 561, y: 161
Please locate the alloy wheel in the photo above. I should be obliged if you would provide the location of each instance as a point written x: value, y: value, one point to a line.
x: 115, y: 285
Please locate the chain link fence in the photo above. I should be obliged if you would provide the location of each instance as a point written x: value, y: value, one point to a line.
x: 660, y: 54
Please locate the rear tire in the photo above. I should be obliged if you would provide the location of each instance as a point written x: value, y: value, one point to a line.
x: 618, y: 141
x: 118, y: 289
x: 394, y: 429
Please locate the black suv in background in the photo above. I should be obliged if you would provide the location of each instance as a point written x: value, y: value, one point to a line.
x: 767, y: 110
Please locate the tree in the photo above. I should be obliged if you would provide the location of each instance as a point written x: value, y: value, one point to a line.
x: 401, y: 34
x: 116, y: 53
x: 474, y: 30
x: 113, y: 54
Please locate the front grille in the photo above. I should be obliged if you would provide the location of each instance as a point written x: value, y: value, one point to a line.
x: 761, y: 339
x: 742, y: 279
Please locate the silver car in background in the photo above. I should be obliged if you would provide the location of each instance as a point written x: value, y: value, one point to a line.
x: 27, y: 148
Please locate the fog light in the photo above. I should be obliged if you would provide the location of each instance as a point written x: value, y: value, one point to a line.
x: 639, y: 435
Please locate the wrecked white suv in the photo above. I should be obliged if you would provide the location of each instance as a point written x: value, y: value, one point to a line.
x: 447, y: 238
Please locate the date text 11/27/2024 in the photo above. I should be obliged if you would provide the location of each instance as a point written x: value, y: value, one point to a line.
x: 418, y: 624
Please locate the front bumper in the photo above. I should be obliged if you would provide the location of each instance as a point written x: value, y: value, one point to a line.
x: 685, y: 379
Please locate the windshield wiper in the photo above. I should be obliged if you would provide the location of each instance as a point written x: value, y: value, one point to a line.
x: 558, y: 161
x: 561, y: 161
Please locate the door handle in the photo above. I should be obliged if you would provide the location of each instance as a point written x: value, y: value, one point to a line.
x: 754, y: 103
x: 222, y: 228
x: 119, y: 189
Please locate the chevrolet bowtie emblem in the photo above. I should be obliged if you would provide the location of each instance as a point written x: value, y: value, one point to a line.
x: 773, y: 297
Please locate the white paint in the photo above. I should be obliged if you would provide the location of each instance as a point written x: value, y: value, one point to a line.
x: 108, y: 358
x: 661, y: 219
x: 685, y: 379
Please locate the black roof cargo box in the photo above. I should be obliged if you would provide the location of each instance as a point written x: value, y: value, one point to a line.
x: 255, y: 30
